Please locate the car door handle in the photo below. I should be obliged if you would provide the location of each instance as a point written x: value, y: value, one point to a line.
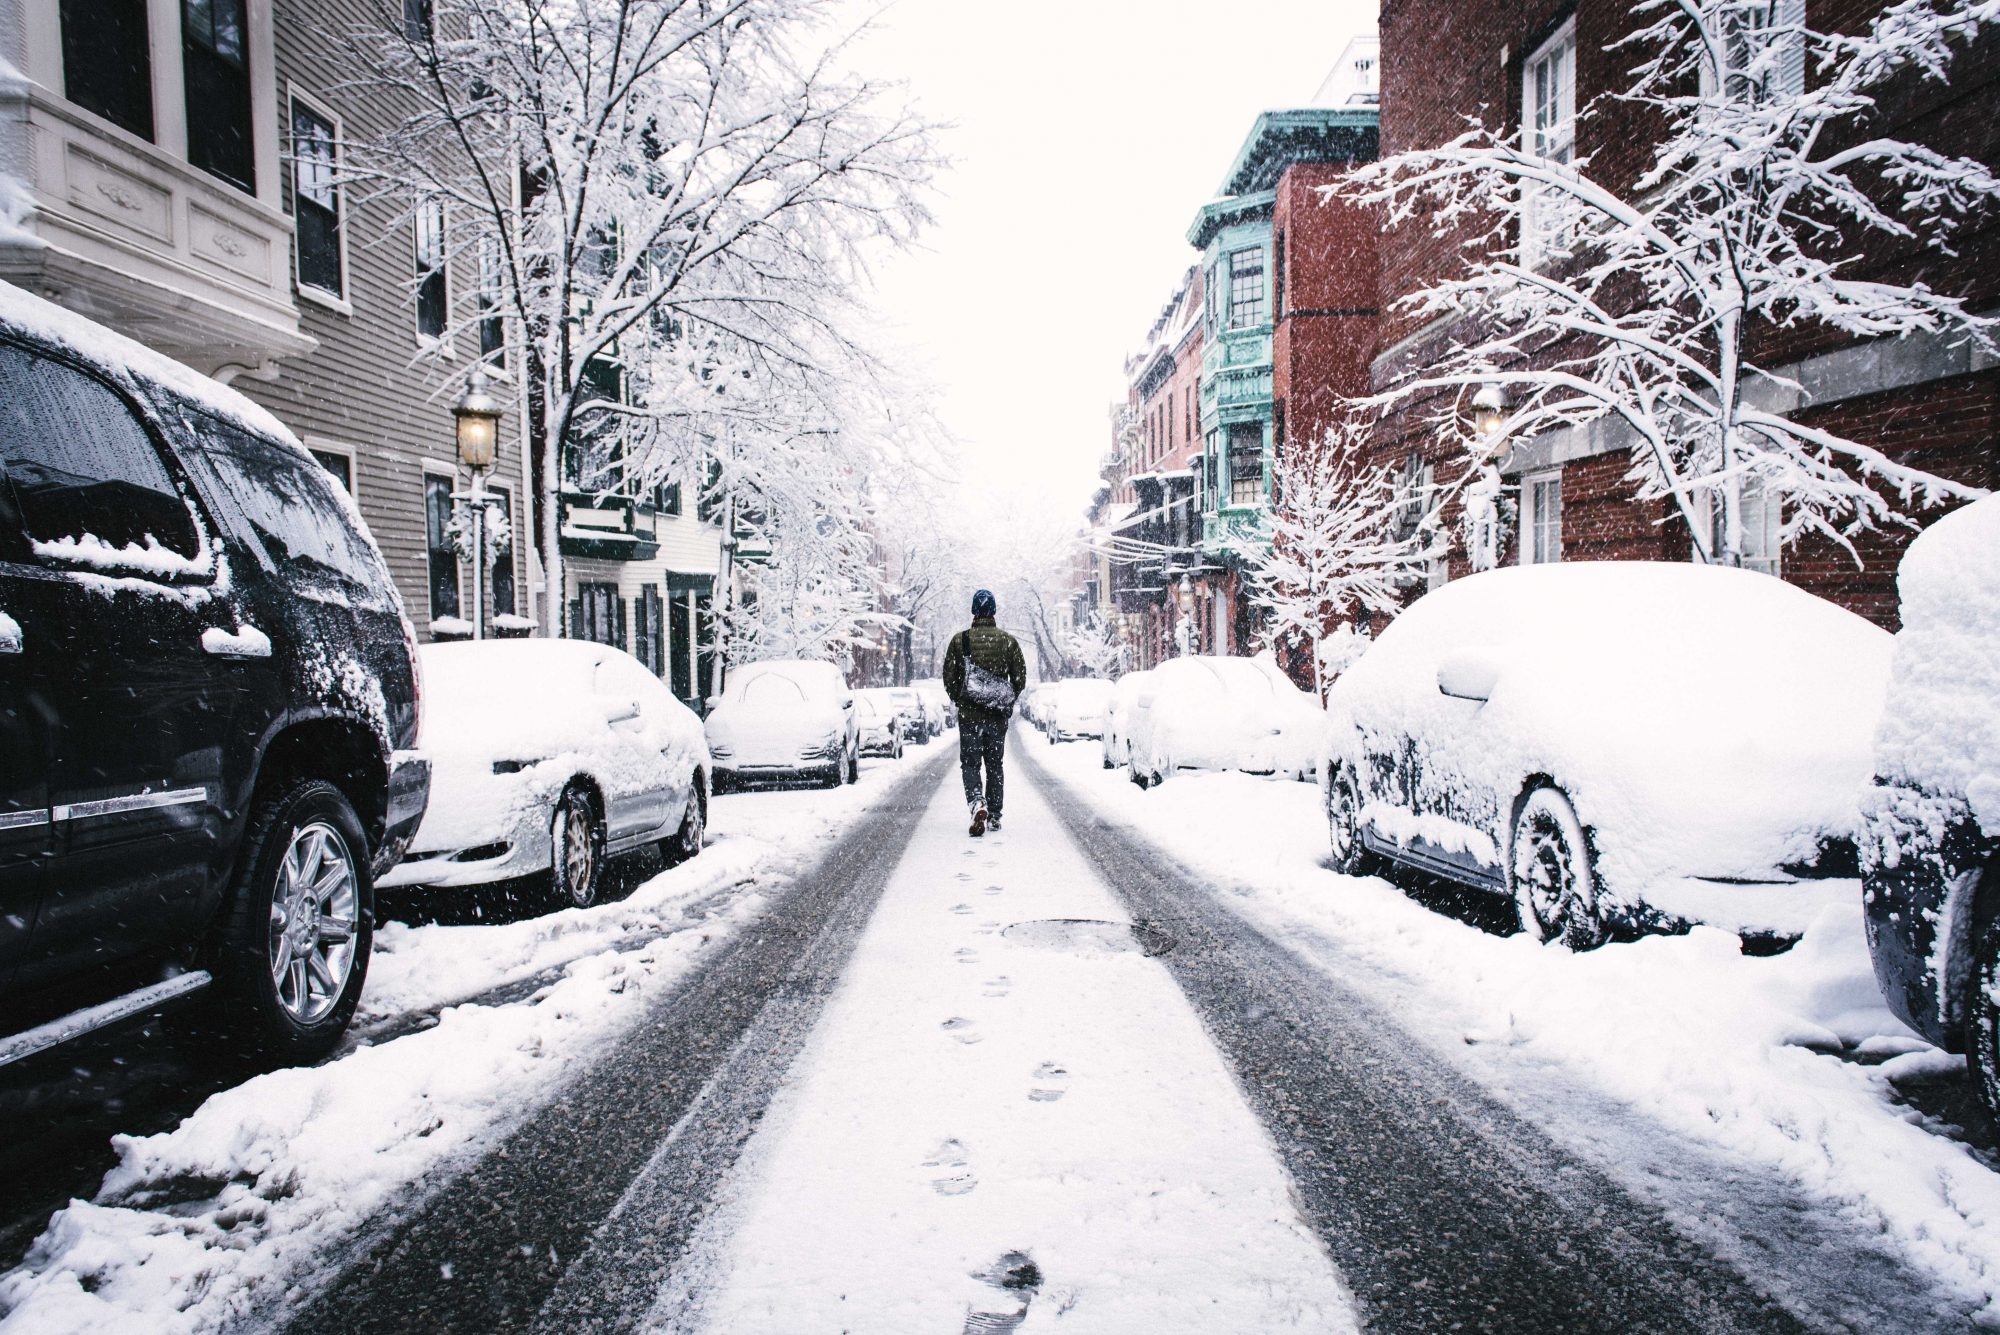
x: 11, y: 639
x: 246, y: 641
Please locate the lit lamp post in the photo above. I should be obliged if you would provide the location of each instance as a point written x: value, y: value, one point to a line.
x: 1187, y: 615
x: 478, y: 415
x: 1489, y: 412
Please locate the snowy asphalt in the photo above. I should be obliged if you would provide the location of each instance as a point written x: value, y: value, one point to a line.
x: 1440, y: 1209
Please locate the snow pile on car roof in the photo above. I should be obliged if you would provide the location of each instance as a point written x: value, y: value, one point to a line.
x: 1941, y: 727
x: 122, y: 358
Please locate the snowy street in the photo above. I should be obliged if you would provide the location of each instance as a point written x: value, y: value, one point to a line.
x: 1055, y: 1079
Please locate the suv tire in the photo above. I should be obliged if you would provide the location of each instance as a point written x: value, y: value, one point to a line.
x: 1982, y: 1012
x: 576, y: 850
x: 687, y: 841
x: 1551, y: 874
x: 292, y: 952
x: 1343, y: 823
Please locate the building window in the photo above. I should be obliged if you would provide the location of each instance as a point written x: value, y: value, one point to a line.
x: 1246, y: 288
x: 108, y: 61
x: 1246, y: 463
x: 316, y: 201
x: 216, y: 66
x: 339, y: 464
x: 417, y: 20
x: 1763, y: 53
x: 1548, y: 131
x: 1211, y: 300
x: 439, y: 549
x: 1542, y: 518
x: 1759, y: 515
x: 500, y: 578
x: 597, y: 614
x: 492, y: 286
x: 433, y: 298
x: 649, y: 630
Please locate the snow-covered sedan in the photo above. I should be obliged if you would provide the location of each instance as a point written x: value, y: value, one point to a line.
x: 1614, y: 745
x: 1118, y: 713
x: 786, y: 720
x: 1931, y: 851
x: 547, y: 758
x: 1220, y: 713
x: 1078, y: 709
x: 879, y: 726
x: 937, y: 703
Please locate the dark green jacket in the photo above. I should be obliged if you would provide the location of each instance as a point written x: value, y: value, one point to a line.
x: 992, y: 649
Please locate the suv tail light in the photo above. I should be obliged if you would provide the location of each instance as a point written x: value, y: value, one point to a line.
x: 416, y: 681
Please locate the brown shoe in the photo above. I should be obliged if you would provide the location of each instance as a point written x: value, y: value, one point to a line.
x: 978, y: 821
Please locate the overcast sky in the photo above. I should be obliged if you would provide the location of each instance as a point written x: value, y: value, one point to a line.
x: 1085, y: 135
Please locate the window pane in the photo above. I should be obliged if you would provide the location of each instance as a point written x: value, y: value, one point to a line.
x: 340, y: 466
x: 108, y: 61
x: 217, y: 73
x: 81, y: 464
x: 432, y: 298
x: 442, y: 554
x: 501, y: 579
x: 492, y: 327
x: 1246, y: 288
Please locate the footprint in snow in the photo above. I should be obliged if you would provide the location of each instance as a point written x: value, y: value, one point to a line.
x: 998, y: 987
x: 953, y: 1176
x: 965, y: 876
x: 995, y: 889
x: 961, y: 1029
x: 1051, y: 1083
x: 961, y: 908
x: 966, y: 955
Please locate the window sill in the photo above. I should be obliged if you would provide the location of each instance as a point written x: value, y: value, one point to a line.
x: 324, y: 300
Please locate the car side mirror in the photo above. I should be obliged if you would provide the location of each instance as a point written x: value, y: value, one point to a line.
x: 1469, y: 674
x: 620, y: 710
x: 1145, y: 701
x: 847, y: 703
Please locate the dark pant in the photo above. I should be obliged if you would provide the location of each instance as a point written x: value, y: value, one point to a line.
x: 983, y: 741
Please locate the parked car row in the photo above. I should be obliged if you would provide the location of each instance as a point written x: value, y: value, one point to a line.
x: 221, y: 739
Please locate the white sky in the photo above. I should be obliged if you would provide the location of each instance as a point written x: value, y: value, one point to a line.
x: 1085, y: 135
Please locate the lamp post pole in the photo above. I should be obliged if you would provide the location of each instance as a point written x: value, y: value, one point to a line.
x: 478, y: 418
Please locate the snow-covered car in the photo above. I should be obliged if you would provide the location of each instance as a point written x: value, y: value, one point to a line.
x: 938, y: 702
x: 879, y: 726
x: 1078, y: 709
x: 547, y: 758
x: 1034, y: 704
x: 1221, y: 713
x: 1614, y: 745
x: 916, y: 720
x: 208, y: 704
x: 785, y: 720
x: 1118, y: 713
x: 1931, y: 847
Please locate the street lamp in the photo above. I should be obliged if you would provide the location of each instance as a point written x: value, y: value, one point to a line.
x: 1186, y: 635
x: 478, y: 417
x: 1489, y: 411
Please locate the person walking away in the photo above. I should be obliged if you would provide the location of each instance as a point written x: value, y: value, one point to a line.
x: 984, y: 674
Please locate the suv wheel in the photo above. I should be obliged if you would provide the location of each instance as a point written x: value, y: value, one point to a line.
x: 1343, y: 824
x: 1983, y: 1014
x: 1550, y: 874
x: 294, y: 946
x: 576, y: 842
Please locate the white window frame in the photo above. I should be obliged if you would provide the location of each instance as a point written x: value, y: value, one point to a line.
x: 1552, y: 139
x: 1535, y: 521
x: 1791, y: 73
x: 1262, y: 309
x: 1761, y: 517
x: 341, y: 302
x: 433, y: 468
x: 353, y: 457
x: 440, y: 342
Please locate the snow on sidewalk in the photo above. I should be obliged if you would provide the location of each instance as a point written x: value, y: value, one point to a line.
x: 1728, y: 1051
x: 208, y: 1223
x: 981, y: 1121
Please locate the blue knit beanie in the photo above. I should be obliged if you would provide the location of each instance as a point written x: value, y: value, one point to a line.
x: 983, y: 604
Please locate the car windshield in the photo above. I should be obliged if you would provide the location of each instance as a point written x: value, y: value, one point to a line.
x: 770, y: 688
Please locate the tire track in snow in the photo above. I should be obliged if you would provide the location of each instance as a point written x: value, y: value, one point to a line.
x: 673, y: 1102
x: 1443, y: 1210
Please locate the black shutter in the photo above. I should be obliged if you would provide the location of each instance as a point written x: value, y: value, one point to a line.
x: 576, y: 619
x: 618, y: 640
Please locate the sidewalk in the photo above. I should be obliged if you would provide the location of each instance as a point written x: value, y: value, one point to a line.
x: 1003, y: 1130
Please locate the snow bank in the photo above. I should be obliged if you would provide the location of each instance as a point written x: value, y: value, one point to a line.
x: 213, y: 1222
x: 1940, y: 728
x: 1706, y: 722
x: 1728, y: 1051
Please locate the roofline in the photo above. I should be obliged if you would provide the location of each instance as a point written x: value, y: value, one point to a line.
x: 1213, y: 216
x: 1281, y: 138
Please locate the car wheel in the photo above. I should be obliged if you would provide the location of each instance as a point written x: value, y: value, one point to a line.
x: 1550, y: 873
x: 576, y: 840
x: 686, y: 842
x: 1983, y: 1015
x: 1343, y: 824
x: 293, y: 949
x: 899, y: 751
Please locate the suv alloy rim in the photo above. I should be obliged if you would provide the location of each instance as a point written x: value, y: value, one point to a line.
x: 314, y: 911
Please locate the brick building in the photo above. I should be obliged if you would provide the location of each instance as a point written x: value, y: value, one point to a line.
x: 1918, y: 400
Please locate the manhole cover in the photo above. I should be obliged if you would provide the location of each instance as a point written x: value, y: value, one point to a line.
x: 1090, y: 936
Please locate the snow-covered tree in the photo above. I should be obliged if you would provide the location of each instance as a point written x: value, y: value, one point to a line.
x: 1346, y: 540
x: 671, y: 203
x: 1094, y: 648
x: 1647, y: 305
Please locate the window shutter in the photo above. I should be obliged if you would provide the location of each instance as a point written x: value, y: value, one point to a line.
x: 576, y: 619
x: 618, y: 639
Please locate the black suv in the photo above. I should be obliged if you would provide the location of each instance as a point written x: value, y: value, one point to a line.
x: 208, y: 697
